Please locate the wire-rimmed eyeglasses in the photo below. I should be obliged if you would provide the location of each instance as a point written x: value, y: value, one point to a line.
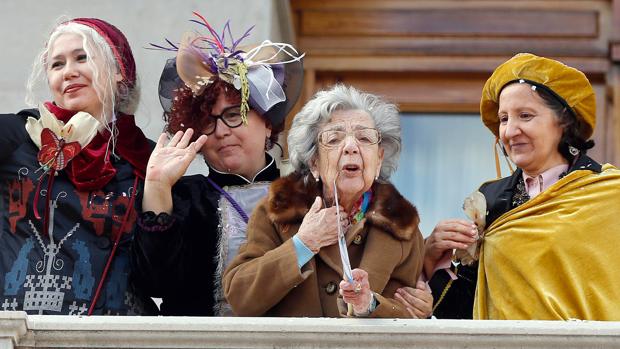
x: 363, y: 136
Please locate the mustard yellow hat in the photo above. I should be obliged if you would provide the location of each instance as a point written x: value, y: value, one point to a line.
x: 569, y: 84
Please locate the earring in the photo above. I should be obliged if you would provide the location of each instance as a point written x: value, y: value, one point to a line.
x: 268, y: 143
x: 572, y: 150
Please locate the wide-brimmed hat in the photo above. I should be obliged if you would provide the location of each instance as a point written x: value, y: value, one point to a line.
x: 569, y: 85
x: 268, y: 75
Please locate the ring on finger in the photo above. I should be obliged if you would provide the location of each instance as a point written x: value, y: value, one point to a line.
x: 358, y: 288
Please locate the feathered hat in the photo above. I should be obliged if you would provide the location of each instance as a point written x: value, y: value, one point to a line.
x: 268, y: 76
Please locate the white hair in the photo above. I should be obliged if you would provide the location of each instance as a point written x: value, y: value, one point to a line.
x: 119, y: 96
x: 303, y: 135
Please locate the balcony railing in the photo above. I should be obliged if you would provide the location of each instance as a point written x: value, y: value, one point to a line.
x: 18, y: 330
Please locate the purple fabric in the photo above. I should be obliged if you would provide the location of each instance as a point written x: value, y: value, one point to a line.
x: 231, y: 200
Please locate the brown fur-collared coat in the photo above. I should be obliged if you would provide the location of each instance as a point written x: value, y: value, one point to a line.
x: 264, y: 278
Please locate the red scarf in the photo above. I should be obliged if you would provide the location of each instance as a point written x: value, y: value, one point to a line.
x: 91, y: 169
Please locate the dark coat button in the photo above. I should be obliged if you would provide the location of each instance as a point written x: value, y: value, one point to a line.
x: 331, y: 288
x: 358, y: 239
x: 103, y: 242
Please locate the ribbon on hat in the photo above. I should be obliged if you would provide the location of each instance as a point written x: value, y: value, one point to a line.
x: 256, y: 71
x: 261, y: 62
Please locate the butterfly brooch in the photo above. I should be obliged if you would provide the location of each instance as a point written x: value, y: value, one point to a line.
x: 56, y: 152
x: 59, y: 142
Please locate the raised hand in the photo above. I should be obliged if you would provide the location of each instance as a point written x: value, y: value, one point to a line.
x: 169, y: 162
x: 319, y: 227
x: 166, y: 165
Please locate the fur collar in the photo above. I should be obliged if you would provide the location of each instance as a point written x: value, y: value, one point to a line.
x: 290, y: 199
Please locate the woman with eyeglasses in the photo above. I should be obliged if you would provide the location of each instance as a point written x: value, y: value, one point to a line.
x: 192, y: 227
x: 344, y: 145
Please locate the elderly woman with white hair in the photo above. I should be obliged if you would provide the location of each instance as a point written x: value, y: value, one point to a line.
x: 343, y: 145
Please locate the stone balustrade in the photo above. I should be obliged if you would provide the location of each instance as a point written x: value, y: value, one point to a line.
x: 18, y: 330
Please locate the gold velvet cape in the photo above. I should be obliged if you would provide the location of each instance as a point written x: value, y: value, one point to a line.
x: 556, y: 256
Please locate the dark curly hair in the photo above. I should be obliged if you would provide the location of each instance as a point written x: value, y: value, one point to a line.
x: 189, y: 111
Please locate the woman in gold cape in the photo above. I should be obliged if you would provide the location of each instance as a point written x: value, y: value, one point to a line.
x: 551, y: 227
x: 552, y: 257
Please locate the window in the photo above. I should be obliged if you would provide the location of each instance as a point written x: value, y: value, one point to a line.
x: 444, y: 158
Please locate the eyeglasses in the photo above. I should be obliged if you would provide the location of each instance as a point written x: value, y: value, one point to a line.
x: 363, y: 136
x: 230, y: 116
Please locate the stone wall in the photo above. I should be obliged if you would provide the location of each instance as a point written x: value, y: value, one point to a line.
x: 18, y: 330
